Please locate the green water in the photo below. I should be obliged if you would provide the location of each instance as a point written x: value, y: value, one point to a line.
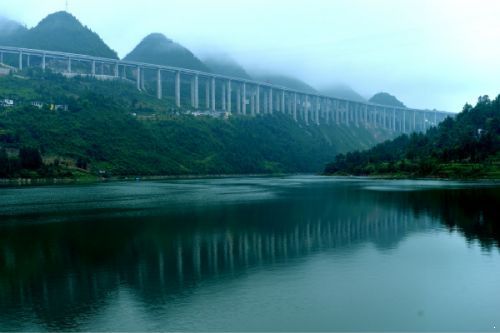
x: 251, y: 254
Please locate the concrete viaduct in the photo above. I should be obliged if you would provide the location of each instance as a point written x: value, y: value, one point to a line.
x: 251, y: 97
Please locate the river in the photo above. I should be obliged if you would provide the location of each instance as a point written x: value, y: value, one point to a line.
x: 295, y: 253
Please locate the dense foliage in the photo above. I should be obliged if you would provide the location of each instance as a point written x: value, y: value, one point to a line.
x: 61, y: 31
x: 465, y: 146
x: 158, y: 49
x: 110, y: 128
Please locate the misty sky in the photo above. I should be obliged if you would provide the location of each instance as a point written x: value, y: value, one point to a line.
x: 429, y: 53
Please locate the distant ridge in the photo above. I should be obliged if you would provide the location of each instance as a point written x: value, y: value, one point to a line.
x: 61, y: 31
x: 384, y: 98
x: 343, y: 92
x: 224, y: 65
x: 9, y: 29
x: 157, y: 49
x: 286, y: 81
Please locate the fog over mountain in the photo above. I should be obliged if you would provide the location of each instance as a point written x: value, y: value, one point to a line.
x: 423, y: 51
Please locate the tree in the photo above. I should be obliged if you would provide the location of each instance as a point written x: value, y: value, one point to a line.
x: 4, y: 163
x: 30, y: 158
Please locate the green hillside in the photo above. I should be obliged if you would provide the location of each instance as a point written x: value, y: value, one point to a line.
x: 61, y: 31
x: 113, y: 128
x: 158, y: 49
x: 467, y: 146
x: 384, y: 98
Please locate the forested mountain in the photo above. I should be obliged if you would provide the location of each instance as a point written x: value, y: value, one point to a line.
x: 224, y: 65
x: 158, y: 49
x: 465, y: 146
x: 61, y: 31
x: 111, y: 127
x: 285, y: 81
x: 343, y: 92
x: 384, y: 98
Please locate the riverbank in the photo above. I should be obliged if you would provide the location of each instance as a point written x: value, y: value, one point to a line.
x: 95, y: 179
x: 445, y: 171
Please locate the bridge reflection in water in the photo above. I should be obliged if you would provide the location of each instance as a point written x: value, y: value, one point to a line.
x: 60, y: 271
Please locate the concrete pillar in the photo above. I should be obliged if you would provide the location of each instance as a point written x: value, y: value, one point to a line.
x: 223, y: 97
x: 270, y: 100
x: 283, y: 101
x: 1, y: 58
x: 229, y: 95
x: 138, y: 78
x: 404, y: 121
x: 244, y: 98
x: 93, y: 68
x: 158, y: 82
x: 266, y: 101
x: 435, y: 118
x: 44, y: 64
x: 191, y: 92
x: 257, y: 99
x: 69, y: 65
x: 294, y: 109
x: 20, y: 60
x: 207, y: 94
x: 143, y: 82
x: 213, y: 93
x: 196, y: 92
x: 178, y: 89
x: 116, y: 70
x: 347, y: 112
x: 252, y: 105
x: 28, y: 61
x: 317, y: 110
x: 393, y: 120
x: 238, y: 100
x: 414, y: 128
x: 306, y: 110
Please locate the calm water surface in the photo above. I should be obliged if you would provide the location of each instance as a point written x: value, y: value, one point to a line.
x: 251, y: 254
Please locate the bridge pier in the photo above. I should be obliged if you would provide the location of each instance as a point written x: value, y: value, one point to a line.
x: 178, y: 89
x: 158, y: 83
x: 229, y: 96
x: 257, y: 99
x: 20, y: 60
x: 295, y: 107
x: 283, y: 101
x: 266, y: 101
x: 244, y: 98
x: 43, y: 62
x: 270, y: 100
x: 238, y: 100
x: 306, y: 110
x: 93, y: 68
x: 223, y: 96
x: 207, y: 94
x: 212, y: 82
x: 138, y: 78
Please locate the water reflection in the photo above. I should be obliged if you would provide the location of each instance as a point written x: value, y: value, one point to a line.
x: 54, y: 274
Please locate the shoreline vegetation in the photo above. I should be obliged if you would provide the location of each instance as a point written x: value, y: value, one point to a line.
x: 464, y: 147
x: 81, y: 128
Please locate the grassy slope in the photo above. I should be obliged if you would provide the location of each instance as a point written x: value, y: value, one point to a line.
x: 100, y: 128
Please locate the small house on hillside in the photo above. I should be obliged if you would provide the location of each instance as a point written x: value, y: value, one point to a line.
x: 6, y: 103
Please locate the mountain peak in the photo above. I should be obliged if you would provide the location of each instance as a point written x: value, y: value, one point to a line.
x: 61, y: 31
x: 156, y: 48
x: 384, y: 98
